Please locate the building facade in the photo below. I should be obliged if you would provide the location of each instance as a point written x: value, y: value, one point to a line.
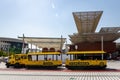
x: 11, y: 45
x: 87, y: 39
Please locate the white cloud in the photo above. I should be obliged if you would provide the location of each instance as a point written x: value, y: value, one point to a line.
x: 56, y: 15
x: 53, y: 6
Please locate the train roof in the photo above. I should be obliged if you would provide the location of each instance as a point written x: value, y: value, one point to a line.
x: 44, y: 53
x: 86, y: 52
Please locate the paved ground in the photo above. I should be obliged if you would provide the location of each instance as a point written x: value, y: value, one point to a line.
x: 113, y: 64
x: 113, y: 73
x: 58, y: 75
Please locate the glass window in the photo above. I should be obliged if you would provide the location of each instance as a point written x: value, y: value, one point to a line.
x: 24, y: 57
x: 17, y: 57
x: 34, y: 57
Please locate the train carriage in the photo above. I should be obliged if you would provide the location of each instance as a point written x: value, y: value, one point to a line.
x: 86, y: 59
x: 44, y: 59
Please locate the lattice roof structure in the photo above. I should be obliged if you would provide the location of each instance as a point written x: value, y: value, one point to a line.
x: 110, y: 30
x: 93, y: 37
x: 86, y: 23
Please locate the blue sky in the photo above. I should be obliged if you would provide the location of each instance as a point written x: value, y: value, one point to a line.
x: 52, y: 18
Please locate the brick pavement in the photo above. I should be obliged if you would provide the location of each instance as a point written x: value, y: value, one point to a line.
x: 59, y: 75
x: 22, y: 74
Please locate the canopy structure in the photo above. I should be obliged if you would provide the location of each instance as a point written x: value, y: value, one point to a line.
x: 93, y: 37
x: 110, y: 30
x: 45, y: 42
x: 86, y: 23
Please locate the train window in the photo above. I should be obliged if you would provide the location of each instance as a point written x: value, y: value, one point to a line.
x: 49, y: 57
x: 29, y: 58
x: 17, y: 57
x: 34, y: 57
x: 40, y: 57
x: 10, y: 57
x: 23, y: 57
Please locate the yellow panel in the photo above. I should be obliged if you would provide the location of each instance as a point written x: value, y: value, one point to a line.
x: 85, y: 62
x: 44, y: 63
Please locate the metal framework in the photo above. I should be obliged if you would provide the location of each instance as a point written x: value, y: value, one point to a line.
x: 110, y: 30
x: 93, y: 37
x: 86, y: 23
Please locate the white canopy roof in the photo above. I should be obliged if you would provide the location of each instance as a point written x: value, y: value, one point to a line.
x: 87, y: 22
x: 93, y: 37
x: 47, y: 42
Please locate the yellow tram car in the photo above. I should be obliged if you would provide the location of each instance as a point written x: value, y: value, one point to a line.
x: 43, y: 59
x: 85, y: 59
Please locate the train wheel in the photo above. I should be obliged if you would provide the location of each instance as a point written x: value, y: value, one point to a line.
x: 17, y: 65
x: 7, y: 65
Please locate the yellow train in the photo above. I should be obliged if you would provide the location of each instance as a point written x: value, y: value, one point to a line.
x: 86, y: 59
x: 40, y: 59
x: 74, y: 59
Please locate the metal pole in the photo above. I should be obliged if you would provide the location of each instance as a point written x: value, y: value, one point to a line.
x: 101, y: 43
x: 61, y: 47
x: 23, y: 46
x: 36, y: 47
x: 31, y: 46
x: 66, y: 47
x: 102, y: 46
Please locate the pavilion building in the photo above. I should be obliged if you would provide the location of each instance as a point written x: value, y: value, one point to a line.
x: 87, y: 39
